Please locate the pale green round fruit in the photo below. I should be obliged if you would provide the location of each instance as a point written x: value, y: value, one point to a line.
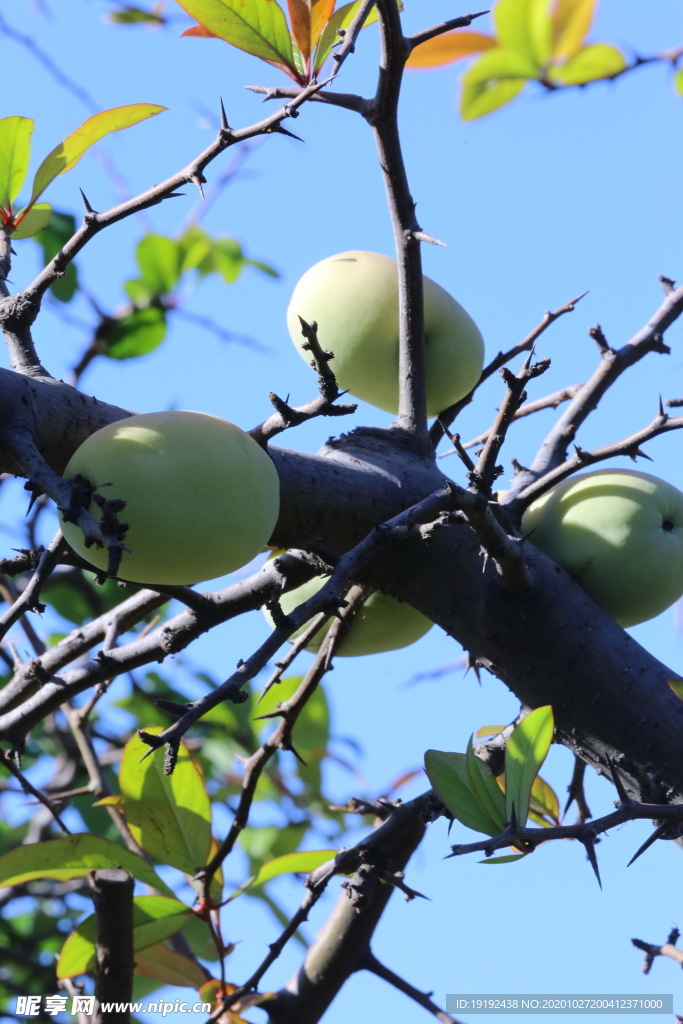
x: 382, y: 624
x: 619, y: 533
x: 202, y: 497
x: 353, y: 297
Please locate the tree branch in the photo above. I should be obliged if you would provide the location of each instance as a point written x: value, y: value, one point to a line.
x: 613, y: 363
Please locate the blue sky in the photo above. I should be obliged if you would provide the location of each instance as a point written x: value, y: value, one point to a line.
x: 552, y: 196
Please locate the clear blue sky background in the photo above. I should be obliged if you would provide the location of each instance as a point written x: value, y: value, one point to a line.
x: 550, y: 197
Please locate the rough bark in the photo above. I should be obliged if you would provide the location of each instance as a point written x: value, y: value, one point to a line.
x: 551, y: 644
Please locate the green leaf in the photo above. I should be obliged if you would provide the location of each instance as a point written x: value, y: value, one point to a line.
x: 169, y: 815
x: 270, y: 841
x: 504, y: 860
x: 302, y: 863
x: 678, y: 81
x: 483, y: 98
x: 227, y: 258
x: 600, y: 60
x: 155, y: 918
x: 130, y: 15
x: 34, y: 220
x: 136, y: 334
x: 75, y: 596
x: 525, y: 752
x: 492, y: 81
x: 263, y: 267
x: 257, y: 26
x: 194, y: 247
x: 159, y: 260
x: 525, y: 26
x: 15, y: 153
x: 500, y: 64
x: 485, y: 787
x: 67, y: 154
x: 73, y: 857
x: 312, y: 730
x: 51, y: 239
x: 447, y: 772
x: 330, y: 38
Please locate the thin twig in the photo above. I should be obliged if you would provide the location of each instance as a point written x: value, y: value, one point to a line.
x: 372, y: 964
x: 7, y: 761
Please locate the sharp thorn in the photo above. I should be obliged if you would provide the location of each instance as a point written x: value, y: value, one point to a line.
x: 624, y: 798
x: 197, y: 180
x: 589, y: 846
x: 88, y: 207
x: 283, y: 131
x: 225, y: 127
x: 657, y: 834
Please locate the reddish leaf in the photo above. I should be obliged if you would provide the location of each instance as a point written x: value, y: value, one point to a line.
x: 308, y: 18
x: 448, y: 48
x: 200, y: 31
x: 321, y: 12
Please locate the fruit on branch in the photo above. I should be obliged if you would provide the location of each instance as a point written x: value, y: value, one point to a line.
x: 619, y: 533
x: 353, y: 298
x: 382, y: 624
x: 202, y: 497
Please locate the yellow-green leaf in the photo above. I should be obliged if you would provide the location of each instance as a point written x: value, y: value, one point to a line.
x: 155, y: 918
x: 525, y: 27
x: 525, y: 752
x: 257, y: 26
x: 500, y: 63
x: 572, y: 20
x: 15, y: 153
x: 33, y: 221
x: 678, y: 81
x: 544, y: 800
x: 677, y: 687
x: 480, y: 98
x: 67, y: 154
x: 169, y: 815
x: 600, y: 60
x: 302, y: 862
x: 73, y: 857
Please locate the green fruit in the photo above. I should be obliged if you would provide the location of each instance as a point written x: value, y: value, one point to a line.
x: 202, y: 497
x: 382, y: 624
x: 619, y: 533
x: 353, y: 297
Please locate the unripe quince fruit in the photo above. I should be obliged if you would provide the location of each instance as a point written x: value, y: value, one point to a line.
x: 202, y: 497
x: 619, y: 533
x: 382, y: 624
x: 353, y: 297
